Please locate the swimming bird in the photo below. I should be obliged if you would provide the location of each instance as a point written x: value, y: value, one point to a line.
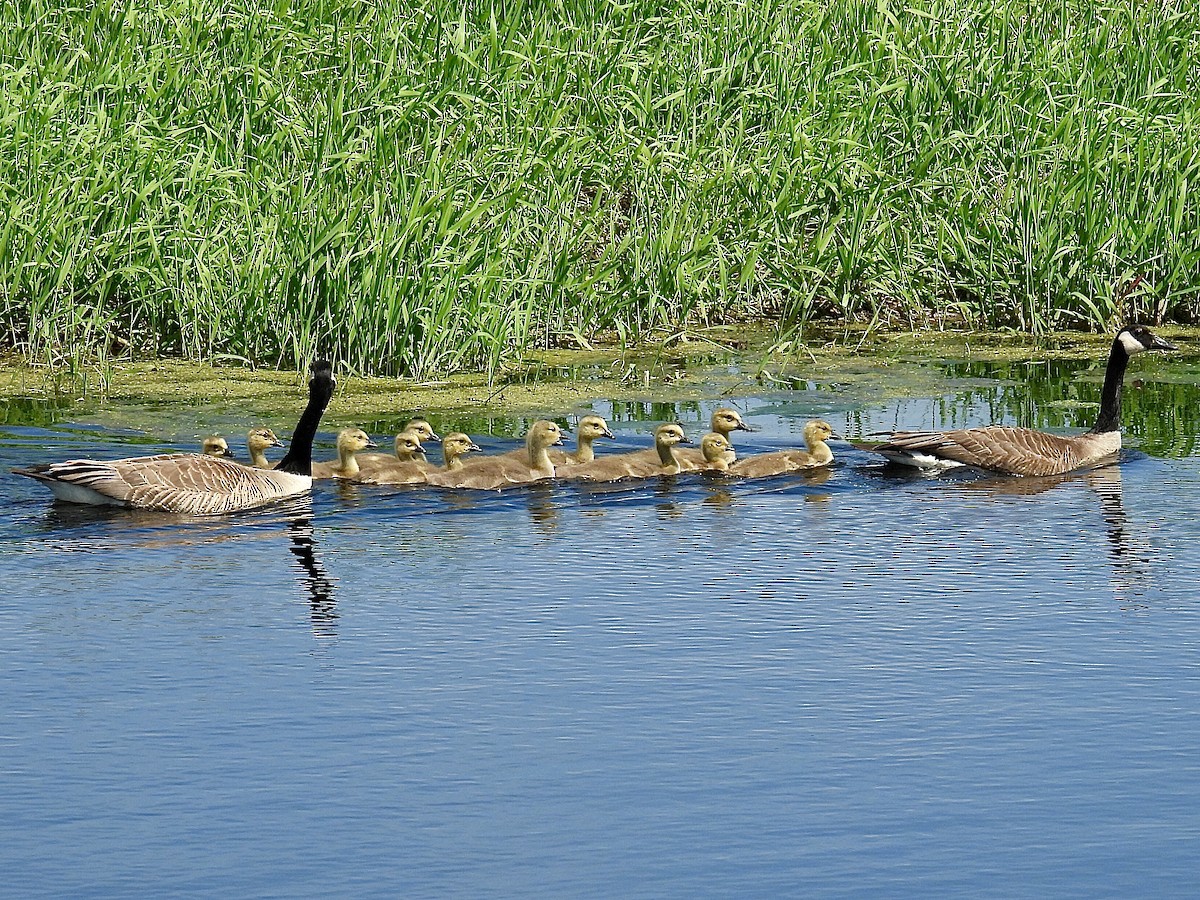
x: 417, y: 471
x: 409, y: 451
x: 423, y: 430
x: 1025, y: 451
x: 777, y: 462
x: 496, y: 472
x: 590, y: 428
x: 638, y: 464
x: 719, y: 454
x: 189, y: 482
x: 724, y: 421
x: 258, y: 441
x: 215, y: 445
x: 349, y: 442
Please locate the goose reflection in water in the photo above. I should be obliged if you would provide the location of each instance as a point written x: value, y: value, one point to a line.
x: 1131, y: 564
x: 73, y: 527
x: 318, y: 586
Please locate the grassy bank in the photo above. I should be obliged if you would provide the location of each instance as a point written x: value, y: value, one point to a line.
x: 429, y: 186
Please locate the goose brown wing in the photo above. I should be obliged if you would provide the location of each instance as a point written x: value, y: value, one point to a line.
x: 178, y: 482
x: 1017, y: 451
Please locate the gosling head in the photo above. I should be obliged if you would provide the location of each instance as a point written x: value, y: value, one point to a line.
x: 215, y: 445
x: 423, y: 430
x: 670, y: 434
x: 816, y: 430
x: 408, y: 446
x: 1137, y: 338
x: 718, y: 452
x: 592, y: 427
x: 259, y: 439
x: 725, y: 421
x: 542, y: 434
x: 352, y: 440
x: 455, y: 444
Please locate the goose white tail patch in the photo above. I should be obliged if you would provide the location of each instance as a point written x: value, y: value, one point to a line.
x: 919, y: 460
x: 76, y: 493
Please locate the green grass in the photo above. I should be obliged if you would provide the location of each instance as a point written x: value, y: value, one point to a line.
x: 424, y: 186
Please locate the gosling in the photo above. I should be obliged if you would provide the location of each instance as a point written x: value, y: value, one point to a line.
x: 638, y: 464
x: 215, y: 445
x: 590, y: 428
x: 454, y: 446
x: 349, y: 442
x: 258, y: 441
x: 498, y: 472
x: 778, y: 462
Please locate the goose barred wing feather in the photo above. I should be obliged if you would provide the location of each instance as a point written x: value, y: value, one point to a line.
x: 175, y: 482
x: 1000, y: 448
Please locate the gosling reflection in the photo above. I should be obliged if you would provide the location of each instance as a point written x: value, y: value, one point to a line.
x: 317, y: 584
x: 543, y: 511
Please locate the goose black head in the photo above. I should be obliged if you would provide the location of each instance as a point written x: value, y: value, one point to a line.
x: 1136, y: 338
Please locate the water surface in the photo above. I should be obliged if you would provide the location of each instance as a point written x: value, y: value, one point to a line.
x: 864, y: 684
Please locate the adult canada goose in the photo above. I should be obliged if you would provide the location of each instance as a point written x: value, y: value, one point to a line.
x: 417, y: 471
x: 215, y: 445
x: 590, y: 428
x: 193, y: 483
x: 349, y: 442
x: 637, y: 465
x: 777, y: 462
x: 1024, y: 451
x: 495, y: 472
x: 258, y: 441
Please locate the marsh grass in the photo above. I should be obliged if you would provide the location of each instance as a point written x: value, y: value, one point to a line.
x: 430, y: 186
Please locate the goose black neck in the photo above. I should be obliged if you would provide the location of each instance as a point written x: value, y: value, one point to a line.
x: 1110, y: 398
x: 298, y: 460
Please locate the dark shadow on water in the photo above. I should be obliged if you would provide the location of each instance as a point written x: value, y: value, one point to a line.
x: 317, y: 585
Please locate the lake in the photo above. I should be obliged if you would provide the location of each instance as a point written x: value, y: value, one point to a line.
x: 863, y: 683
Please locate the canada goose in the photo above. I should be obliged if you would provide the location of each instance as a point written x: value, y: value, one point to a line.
x: 349, y: 442
x: 416, y: 471
x: 408, y: 451
x: 590, y: 428
x: 724, y: 422
x: 215, y: 445
x: 193, y: 483
x: 663, y: 460
x: 777, y: 462
x: 1024, y: 451
x: 719, y: 454
x: 423, y: 430
x: 495, y: 472
x: 257, y: 442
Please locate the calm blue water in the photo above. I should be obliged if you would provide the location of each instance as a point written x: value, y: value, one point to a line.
x: 870, y: 686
